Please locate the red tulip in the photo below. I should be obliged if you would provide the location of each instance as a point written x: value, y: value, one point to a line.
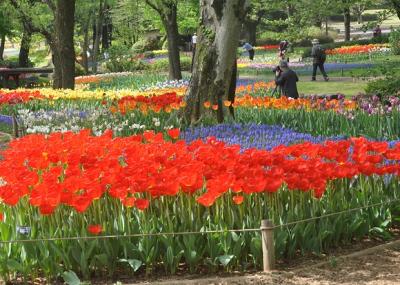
x: 142, y: 204
x: 238, y: 200
x: 174, y: 133
x: 95, y: 229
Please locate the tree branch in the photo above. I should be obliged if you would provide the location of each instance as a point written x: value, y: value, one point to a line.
x: 27, y: 21
x: 153, y: 6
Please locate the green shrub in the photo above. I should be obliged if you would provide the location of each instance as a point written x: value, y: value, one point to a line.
x: 125, y: 65
x: 395, y: 41
x: 163, y: 63
x: 145, y: 45
x: 79, y: 70
x: 12, y: 62
x: 121, y: 59
x: 388, y: 86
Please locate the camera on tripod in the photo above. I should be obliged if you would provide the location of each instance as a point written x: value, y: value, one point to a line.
x: 277, y: 69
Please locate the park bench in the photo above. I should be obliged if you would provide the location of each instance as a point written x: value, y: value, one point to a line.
x: 15, y: 73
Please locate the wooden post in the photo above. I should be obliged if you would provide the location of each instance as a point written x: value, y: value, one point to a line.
x: 15, y: 126
x: 268, y: 247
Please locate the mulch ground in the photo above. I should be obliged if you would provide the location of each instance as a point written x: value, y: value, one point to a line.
x: 378, y: 268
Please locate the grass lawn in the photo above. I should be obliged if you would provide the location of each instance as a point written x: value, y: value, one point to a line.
x: 320, y: 87
x: 331, y: 87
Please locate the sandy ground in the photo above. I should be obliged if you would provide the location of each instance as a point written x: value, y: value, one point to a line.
x: 378, y: 268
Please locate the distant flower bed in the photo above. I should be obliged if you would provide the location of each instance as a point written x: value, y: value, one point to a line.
x: 359, y: 49
x: 100, y: 77
x: 267, y: 47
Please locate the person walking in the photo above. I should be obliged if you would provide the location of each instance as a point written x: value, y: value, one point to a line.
x: 377, y: 32
x: 319, y: 58
x: 249, y: 48
x: 287, y: 80
x: 283, y: 48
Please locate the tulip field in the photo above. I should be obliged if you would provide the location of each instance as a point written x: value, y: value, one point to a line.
x: 105, y: 174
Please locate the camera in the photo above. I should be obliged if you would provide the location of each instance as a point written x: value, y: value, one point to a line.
x: 277, y: 69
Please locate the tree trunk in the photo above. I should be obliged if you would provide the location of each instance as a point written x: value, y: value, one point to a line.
x: 85, y: 45
x: 106, y: 30
x: 215, y: 56
x: 396, y: 6
x: 326, y: 26
x: 2, y: 46
x: 64, y: 28
x: 347, y: 23
x: 55, y: 58
x: 104, y: 38
x: 171, y: 26
x: 23, y: 57
x: 360, y: 18
x: 251, y: 31
x: 97, y: 39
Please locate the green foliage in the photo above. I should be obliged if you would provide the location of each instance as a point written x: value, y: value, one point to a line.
x: 163, y: 64
x: 147, y: 44
x: 395, y: 41
x: 122, y: 59
x: 12, y: 62
x: 388, y: 86
x: 79, y: 70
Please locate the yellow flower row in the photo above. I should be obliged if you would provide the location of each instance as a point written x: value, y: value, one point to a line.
x: 102, y: 94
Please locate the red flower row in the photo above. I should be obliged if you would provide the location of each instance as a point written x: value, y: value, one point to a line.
x: 269, y: 47
x: 166, y: 102
x: 15, y: 97
x: 75, y: 169
x: 355, y: 49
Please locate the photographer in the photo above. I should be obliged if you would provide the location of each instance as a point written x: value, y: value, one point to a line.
x: 286, y: 79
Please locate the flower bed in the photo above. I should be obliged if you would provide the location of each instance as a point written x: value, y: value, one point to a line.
x: 359, y: 49
x: 123, y: 170
x: 16, y: 97
x: 66, y: 185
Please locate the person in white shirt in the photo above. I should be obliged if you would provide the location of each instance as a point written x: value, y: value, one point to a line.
x: 249, y: 48
x: 194, y: 42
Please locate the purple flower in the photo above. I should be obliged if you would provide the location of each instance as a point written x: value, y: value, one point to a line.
x: 252, y: 135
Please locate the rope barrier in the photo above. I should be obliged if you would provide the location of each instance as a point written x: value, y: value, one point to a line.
x: 198, y: 232
x: 335, y: 214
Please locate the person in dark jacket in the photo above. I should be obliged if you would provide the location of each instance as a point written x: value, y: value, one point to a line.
x: 287, y: 80
x: 319, y: 57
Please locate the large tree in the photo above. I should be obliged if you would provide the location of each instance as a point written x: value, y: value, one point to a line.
x: 347, y: 19
x: 64, y: 14
x: 58, y: 32
x: 257, y: 11
x: 7, y: 25
x: 98, y: 31
x: 168, y: 12
x: 215, y: 59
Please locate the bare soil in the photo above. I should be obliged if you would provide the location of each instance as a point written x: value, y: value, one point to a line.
x: 377, y: 268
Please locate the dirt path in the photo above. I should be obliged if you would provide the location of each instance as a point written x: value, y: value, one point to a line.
x: 381, y: 267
